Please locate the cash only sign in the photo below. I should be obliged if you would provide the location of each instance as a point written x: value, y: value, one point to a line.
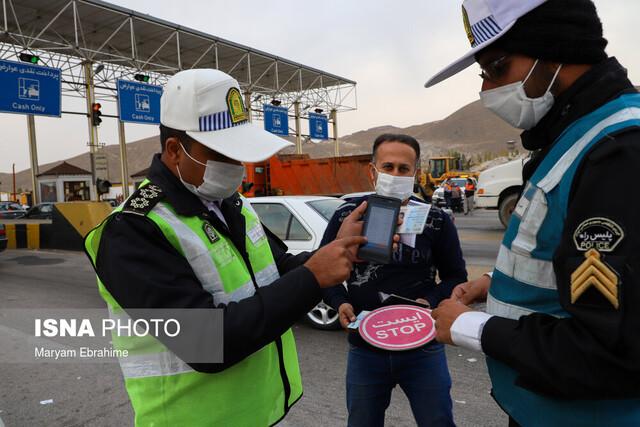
x: 398, y: 327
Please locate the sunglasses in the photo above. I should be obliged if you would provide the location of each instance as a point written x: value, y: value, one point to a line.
x: 495, y: 69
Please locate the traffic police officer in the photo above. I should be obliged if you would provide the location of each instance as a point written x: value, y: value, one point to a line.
x: 561, y: 333
x: 187, y: 240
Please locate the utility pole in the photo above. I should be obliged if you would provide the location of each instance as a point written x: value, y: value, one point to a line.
x: 93, y: 130
x: 334, y: 119
x: 124, y: 167
x: 15, y: 195
x: 296, y: 109
x: 31, y: 126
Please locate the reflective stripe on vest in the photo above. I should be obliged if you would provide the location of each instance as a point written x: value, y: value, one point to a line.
x: 207, y: 262
x: 166, y: 391
x: 524, y: 280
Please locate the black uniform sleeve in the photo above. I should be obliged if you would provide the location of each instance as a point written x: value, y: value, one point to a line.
x: 594, y: 353
x: 141, y: 269
x: 448, y: 260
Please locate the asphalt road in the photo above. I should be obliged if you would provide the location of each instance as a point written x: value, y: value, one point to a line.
x: 93, y: 394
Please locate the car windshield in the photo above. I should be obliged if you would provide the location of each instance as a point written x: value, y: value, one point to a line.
x: 326, y: 207
x: 10, y: 207
x: 460, y: 181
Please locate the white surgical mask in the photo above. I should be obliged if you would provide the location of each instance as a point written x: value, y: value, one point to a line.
x: 220, y: 179
x: 400, y: 187
x: 512, y: 104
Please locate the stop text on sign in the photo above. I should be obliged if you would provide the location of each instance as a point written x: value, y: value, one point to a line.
x: 398, y: 327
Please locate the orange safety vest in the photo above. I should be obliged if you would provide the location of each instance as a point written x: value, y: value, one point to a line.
x: 470, y: 187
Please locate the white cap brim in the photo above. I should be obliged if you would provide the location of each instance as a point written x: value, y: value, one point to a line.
x: 247, y: 143
x: 467, y: 60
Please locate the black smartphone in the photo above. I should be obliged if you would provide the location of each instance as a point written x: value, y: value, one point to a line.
x: 393, y: 299
x: 380, y: 222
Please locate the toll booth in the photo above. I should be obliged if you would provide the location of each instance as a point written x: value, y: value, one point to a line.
x: 65, y: 183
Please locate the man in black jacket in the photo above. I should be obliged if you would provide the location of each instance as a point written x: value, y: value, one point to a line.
x: 562, y: 333
x: 422, y: 373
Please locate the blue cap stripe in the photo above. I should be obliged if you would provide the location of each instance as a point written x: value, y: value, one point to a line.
x: 492, y: 22
x: 479, y: 36
x: 485, y: 30
x: 217, y: 121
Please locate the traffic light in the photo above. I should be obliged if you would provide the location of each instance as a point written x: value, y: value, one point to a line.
x: 95, y: 114
x: 103, y: 186
x: 142, y: 78
x: 27, y: 57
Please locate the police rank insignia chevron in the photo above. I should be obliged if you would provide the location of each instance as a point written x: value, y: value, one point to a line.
x: 594, y: 272
x: 236, y: 106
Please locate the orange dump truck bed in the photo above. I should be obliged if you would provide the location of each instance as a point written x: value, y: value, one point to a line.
x: 300, y: 175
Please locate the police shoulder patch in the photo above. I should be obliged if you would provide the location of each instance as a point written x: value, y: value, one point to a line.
x: 143, y: 200
x: 601, y: 234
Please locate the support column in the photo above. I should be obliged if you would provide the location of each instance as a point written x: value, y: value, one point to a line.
x: 247, y: 104
x: 93, y: 130
x: 33, y: 153
x: 296, y: 109
x: 124, y: 167
x: 334, y: 119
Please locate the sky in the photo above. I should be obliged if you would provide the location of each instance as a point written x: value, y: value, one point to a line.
x: 389, y: 48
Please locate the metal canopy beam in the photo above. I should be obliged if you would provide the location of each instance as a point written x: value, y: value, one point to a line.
x: 67, y: 33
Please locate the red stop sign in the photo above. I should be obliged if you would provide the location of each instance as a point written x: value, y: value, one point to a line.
x: 398, y: 327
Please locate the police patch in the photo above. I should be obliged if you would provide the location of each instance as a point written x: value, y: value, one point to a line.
x: 601, y: 234
x: 236, y: 106
x: 210, y: 232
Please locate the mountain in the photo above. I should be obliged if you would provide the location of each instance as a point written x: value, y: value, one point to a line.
x: 470, y: 130
x: 139, y: 155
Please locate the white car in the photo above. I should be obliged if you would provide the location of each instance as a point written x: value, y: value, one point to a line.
x: 300, y: 221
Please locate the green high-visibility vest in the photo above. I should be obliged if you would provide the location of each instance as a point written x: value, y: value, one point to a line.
x: 164, y: 390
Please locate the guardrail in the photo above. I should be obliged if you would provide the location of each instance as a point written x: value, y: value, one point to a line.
x: 70, y: 222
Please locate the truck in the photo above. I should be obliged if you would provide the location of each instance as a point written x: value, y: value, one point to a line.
x: 443, y: 168
x: 500, y: 187
x: 298, y: 175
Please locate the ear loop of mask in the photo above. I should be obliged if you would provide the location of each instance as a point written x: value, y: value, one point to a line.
x: 188, y: 155
x: 555, y: 76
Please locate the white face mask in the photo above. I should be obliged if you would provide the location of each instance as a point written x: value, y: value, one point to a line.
x: 512, y: 104
x: 220, y: 179
x: 400, y: 187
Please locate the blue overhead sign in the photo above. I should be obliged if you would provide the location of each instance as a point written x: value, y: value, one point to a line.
x: 30, y: 89
x: 276, y: 119
x: 318, y: 126
x: 139, y: 102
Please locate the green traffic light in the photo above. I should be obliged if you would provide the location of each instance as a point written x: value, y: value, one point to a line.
x: 142, y: 78
x: 26, y: 57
